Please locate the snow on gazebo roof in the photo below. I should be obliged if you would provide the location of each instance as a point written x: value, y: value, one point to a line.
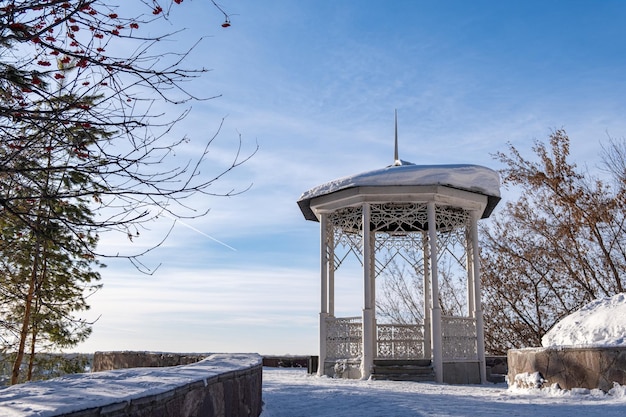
x: 467, y: 177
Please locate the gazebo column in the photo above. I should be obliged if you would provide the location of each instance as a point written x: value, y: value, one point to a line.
x: 436, y: 338
x: 427, y: 318
x: 478, y: 310
x: 469, y: 254
x: 373, y: 275
x: 324, y: 292
x: 330, y: 261
x: 368, y: 333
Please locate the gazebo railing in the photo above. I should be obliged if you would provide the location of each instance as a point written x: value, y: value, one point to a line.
x: 393, y: 341
x: 343, y: 337
x: 458, y: 338
x: 400, y: 341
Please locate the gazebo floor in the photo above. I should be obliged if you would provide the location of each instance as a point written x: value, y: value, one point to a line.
x: 418, y: 370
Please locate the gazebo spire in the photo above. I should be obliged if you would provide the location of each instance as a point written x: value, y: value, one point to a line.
x: 396, y: 158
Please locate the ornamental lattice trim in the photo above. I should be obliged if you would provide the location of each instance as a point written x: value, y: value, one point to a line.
x: 400, y: 341
x: 450, y: 218
x: 452, y: 233
x: 345, y: 229
x: 394, y: 227
x: 458, y: 338
x: 343, y: 337
x: 395, y: 218
x: 348, y: 220
x: 400, y: 231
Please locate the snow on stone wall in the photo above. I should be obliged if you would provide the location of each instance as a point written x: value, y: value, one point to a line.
x: 220, y: 385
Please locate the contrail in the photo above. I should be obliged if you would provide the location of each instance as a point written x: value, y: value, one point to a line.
x: 199, y: 231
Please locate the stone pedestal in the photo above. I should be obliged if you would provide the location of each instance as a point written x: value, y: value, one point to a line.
x: 593, y: 367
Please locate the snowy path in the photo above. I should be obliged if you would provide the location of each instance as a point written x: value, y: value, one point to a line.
x: 293, y: 393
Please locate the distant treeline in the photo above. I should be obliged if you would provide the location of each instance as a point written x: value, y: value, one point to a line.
x: 47, y: 365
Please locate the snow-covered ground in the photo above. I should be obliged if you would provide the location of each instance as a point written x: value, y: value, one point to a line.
x: 294, y: 393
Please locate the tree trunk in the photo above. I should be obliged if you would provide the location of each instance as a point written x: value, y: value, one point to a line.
x: 24, y: 332
x: 33, y: 343
x: 15, y: 375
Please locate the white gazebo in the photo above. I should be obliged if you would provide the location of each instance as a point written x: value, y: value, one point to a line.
x: 421, y: 214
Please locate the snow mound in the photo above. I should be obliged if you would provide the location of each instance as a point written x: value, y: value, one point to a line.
x: 601, y: 323
x: 527, y: 380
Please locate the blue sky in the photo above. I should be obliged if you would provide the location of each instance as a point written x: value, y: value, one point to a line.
x: 315, y: 84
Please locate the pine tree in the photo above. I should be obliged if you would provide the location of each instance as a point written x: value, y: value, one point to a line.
x: 78, y: 136
x: 53, y: 249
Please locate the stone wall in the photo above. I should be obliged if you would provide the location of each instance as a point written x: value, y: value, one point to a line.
x: 593, y: 367
x: 220, y: 385
x: 287, y: 361
x: 496, y: 369
x: 228, y: 394
x: 105, y: 361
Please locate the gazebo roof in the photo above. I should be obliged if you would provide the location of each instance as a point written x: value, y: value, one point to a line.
x: 472, y: 178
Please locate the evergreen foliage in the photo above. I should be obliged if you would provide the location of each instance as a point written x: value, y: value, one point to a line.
x: 83, y: 152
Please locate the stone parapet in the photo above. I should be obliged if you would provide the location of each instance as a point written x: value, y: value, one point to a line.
x: 106, y: 361
x: 221, y: 385
x: 588, y: 367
